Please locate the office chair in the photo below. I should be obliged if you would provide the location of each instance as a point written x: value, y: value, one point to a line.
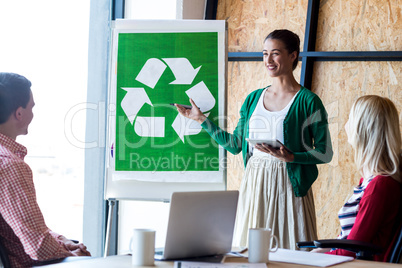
x: 396, y: 252
x: 363, y: 250
x: 4, y: 256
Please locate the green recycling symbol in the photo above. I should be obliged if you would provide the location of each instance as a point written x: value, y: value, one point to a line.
x: 151, y: 72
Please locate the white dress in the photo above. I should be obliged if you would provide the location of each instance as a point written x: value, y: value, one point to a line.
x: 266, y: 196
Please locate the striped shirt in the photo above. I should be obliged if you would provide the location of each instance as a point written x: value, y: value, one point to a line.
x: 347, y: 214
x: 23, y: 231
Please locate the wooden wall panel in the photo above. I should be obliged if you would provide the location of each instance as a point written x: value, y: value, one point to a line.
x: 339, y: 84
x: 250, y: 21
x: 367, y: 25
x: 343, y: 26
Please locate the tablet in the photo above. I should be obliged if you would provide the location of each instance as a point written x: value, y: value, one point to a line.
x: 276, y: 144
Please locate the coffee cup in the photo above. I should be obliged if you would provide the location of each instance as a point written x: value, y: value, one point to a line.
x: 260, y: 244
x: 142, y: 247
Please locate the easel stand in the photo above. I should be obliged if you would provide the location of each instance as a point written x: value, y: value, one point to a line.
x: 112, y: 204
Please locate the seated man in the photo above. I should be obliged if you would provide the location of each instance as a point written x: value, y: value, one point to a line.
x: 25, y: 236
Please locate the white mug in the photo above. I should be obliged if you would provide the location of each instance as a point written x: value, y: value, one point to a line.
x: 142, y: 247
x: 259, y: 240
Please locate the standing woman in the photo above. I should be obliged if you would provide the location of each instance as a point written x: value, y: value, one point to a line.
x: 275, y: 191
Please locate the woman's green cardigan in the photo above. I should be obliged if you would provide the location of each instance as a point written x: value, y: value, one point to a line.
x: 305, y: 132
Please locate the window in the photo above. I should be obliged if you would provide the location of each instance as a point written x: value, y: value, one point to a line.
x: 150, y: 9
x: 47, y: 42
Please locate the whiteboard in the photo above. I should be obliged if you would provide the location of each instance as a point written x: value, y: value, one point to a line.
x: 152, y: 151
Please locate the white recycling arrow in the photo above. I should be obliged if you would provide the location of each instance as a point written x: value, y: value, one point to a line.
x: 201, y: 96
x: 150, y: 126
x: 182, y: 70
x: 184, y: 126
x: 133, y: 101
x: 149, y: 76
x: 151, y: 72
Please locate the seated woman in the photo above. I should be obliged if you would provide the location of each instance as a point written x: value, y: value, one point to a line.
x: 371, y: 214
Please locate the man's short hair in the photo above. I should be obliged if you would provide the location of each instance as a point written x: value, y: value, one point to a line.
x: 15, y: 92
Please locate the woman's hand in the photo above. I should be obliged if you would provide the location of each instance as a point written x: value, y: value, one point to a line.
x: 194, y: 113
x: 281, y: 153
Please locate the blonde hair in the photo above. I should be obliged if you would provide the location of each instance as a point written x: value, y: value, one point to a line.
x: 375, y: 136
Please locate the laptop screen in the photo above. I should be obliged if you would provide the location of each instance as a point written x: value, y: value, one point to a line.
x: 200, y: 224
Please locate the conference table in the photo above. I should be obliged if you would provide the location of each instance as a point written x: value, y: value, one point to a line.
x: 124, y: 261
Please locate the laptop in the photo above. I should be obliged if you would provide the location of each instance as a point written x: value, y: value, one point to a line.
x: 200, y: 224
